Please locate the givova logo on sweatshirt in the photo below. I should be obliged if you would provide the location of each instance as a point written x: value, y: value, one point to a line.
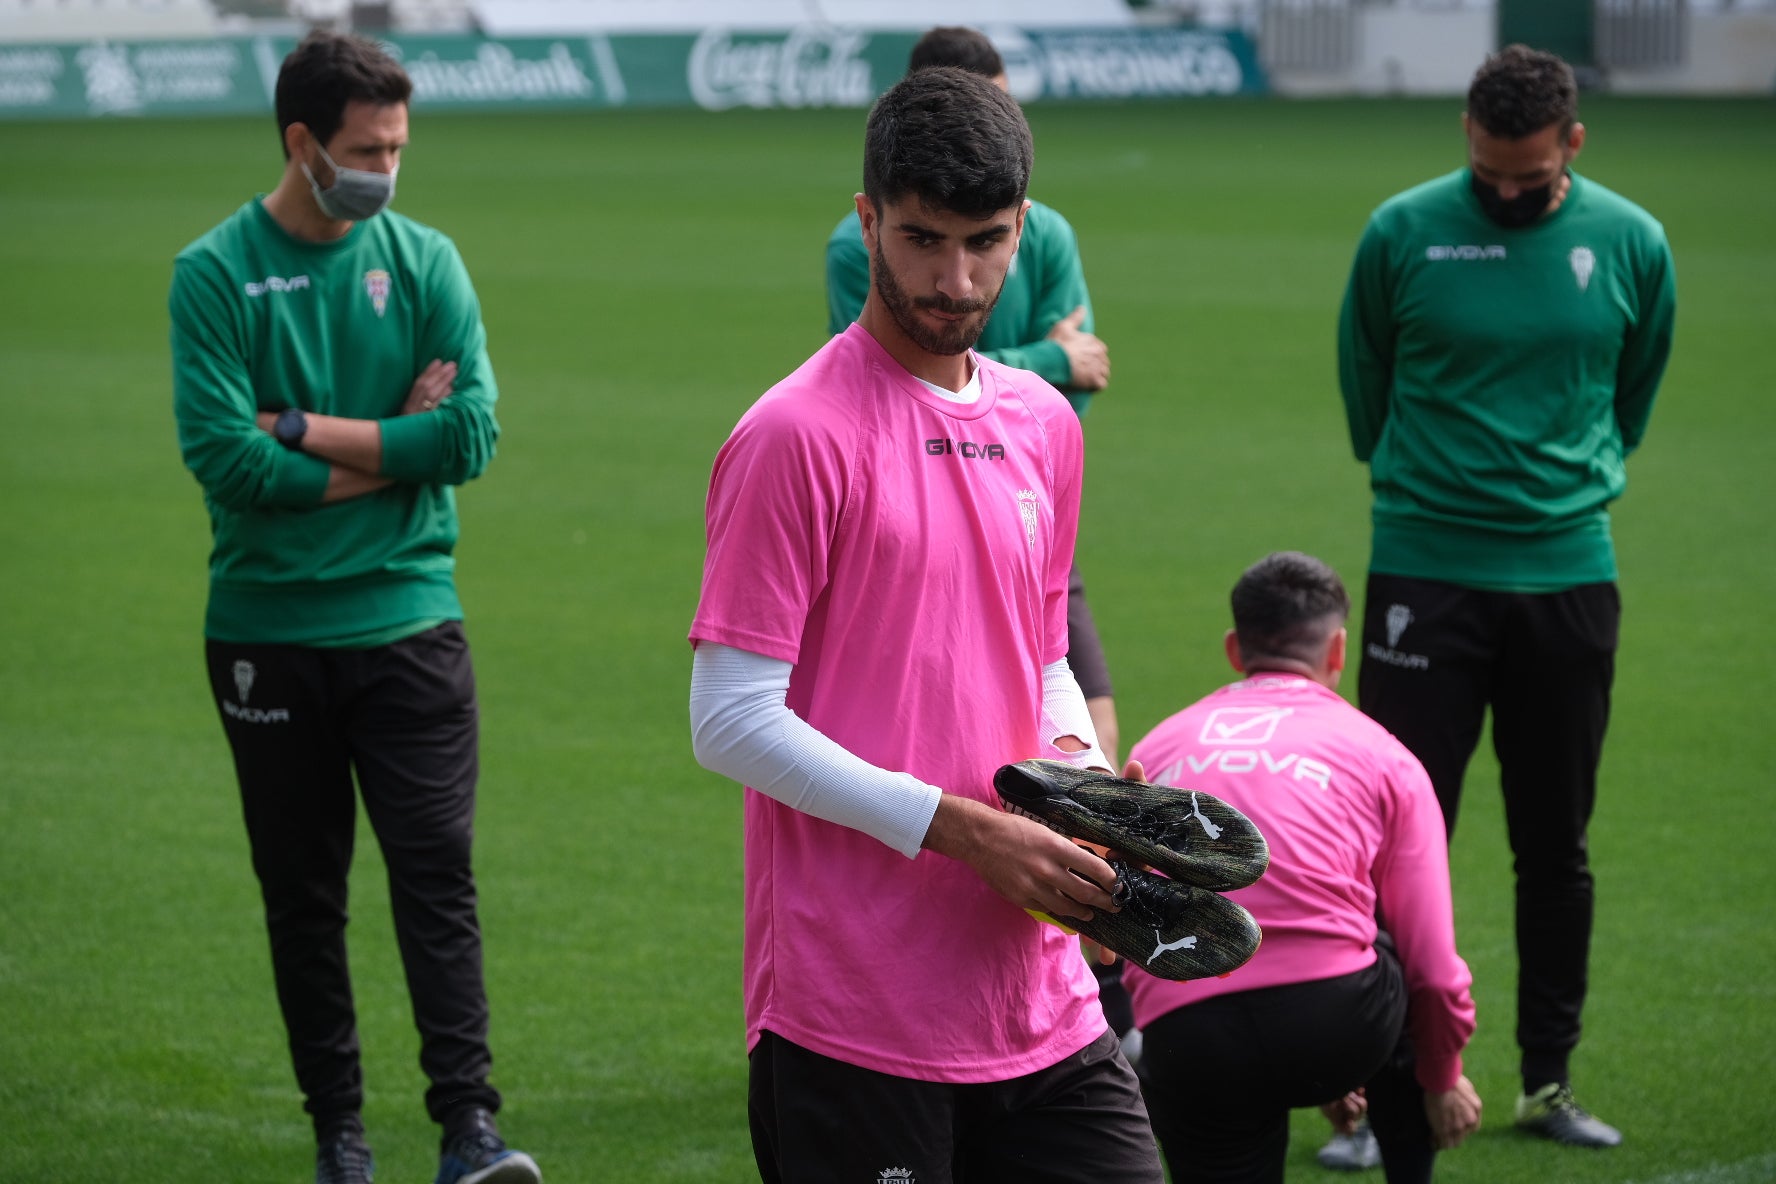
x: 277, y: 283
x: 1467, y: 253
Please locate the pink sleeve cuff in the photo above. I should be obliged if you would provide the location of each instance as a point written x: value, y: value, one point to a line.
x: 1438, y: 1074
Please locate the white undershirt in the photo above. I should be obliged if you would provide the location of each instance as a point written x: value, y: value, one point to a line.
x: 969, y: 394
x: 742, y: 728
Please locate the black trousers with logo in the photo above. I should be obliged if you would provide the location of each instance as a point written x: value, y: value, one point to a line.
x: 404, y: 719
x: 1435, y: 657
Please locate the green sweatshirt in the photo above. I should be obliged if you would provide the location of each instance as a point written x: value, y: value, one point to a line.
x: 262, y: 321
x: 1045, y: 283
x: 1495, y: 379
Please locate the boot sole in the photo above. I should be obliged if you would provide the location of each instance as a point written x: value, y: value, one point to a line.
x: 1191, y: 836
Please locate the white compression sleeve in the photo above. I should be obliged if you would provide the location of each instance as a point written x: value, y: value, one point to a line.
x: 1064, y: 713
x: 741, y: 728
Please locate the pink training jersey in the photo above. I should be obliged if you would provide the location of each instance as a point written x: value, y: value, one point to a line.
x: 1349, y: 814
x: 909, y: 556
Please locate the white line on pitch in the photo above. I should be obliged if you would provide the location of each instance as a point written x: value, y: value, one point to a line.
x: 1746, y: 1171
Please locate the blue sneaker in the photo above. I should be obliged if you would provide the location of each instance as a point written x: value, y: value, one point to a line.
x: 474, y: 1153
x: 343, y: 1158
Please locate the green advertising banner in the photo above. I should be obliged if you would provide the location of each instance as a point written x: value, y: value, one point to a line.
x: 110, y: 78
x: 717, y: 70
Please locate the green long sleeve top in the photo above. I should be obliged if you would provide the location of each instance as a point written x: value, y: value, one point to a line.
x: 263, y: 321
x: 1495, y: 380
x: 1046, y: 283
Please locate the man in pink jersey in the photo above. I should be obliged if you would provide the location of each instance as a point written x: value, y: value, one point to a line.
x: 882, y: 625
x: 1327, y: 1005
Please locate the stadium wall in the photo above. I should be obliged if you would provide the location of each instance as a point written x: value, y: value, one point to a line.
x: 1728, y: 52
x: 1424, y: 50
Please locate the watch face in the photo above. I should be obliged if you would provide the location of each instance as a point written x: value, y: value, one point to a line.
x: 290, y: 427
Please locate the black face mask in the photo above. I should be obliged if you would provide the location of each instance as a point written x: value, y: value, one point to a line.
x: 1517, y: 213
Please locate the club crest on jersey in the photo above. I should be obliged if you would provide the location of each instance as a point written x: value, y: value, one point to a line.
x: 1583, y: 264
x: 376, y: 286
x: 1029, y: 509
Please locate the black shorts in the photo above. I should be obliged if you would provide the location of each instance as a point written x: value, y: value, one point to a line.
x: 816, y: 1120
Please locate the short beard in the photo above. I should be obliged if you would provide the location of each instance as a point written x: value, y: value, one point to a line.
x: 947, y: 341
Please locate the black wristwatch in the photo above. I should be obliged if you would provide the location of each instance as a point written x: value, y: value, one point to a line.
x: 291, y: 426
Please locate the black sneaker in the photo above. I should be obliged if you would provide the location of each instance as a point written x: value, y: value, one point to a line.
x: 1552, y: 1113
x: 1185, y: 833
x: 474, y: 1153
x: 1171, y: 930
x: 343, y: 1158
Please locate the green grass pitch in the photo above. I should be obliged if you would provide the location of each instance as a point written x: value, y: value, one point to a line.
x: 645, y: 276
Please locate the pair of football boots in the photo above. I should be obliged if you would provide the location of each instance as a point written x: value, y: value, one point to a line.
x: 1172, y: 921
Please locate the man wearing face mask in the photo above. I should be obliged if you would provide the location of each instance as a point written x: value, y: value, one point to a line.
x: 1502, y: 337
x: 331, y: 387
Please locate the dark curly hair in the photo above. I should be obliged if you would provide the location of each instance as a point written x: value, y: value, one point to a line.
x: 953, y: 45
x: 950, y: 138
x: 1286, y: 605
x: 1518, y: 91
x: 328, y: 71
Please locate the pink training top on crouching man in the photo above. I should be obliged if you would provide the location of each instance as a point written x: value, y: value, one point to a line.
x: 1350, y: 818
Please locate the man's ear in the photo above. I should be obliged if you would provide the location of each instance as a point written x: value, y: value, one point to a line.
x: 1335, y: 650
x: 1232, y: 645
x: 871, y: 219
x: 298, y: 139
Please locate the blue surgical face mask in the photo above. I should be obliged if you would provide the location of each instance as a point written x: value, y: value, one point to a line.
x: 356, y: 194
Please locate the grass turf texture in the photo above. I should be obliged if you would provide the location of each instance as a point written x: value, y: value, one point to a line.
x: 645, y: 276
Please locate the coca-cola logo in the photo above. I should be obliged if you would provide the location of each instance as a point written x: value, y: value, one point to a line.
x: 810, y: 67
